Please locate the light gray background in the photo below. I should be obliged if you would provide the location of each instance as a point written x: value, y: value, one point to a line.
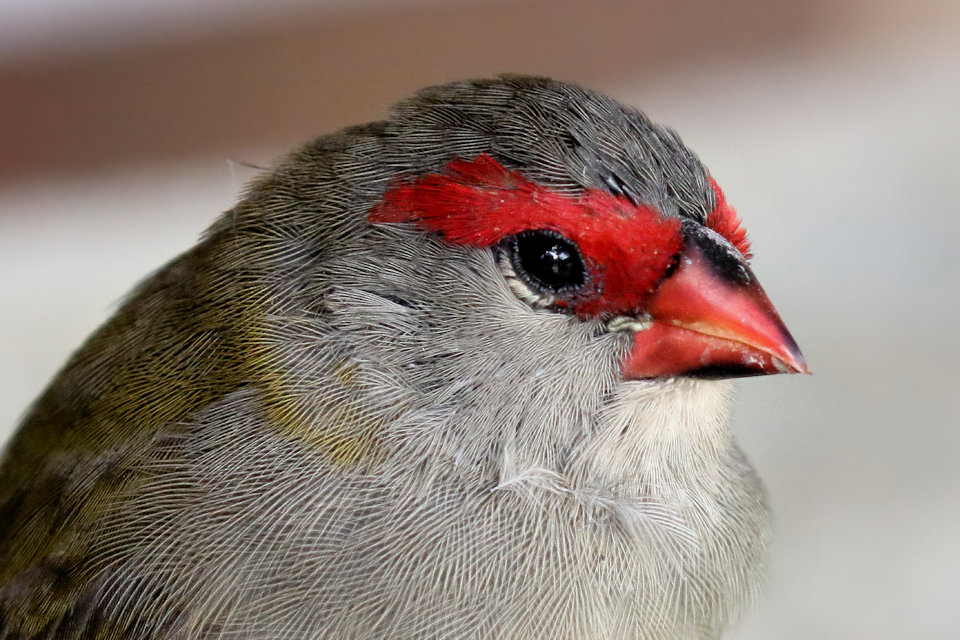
x: 838, y: 147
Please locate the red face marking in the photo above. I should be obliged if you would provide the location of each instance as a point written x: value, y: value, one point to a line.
x: 724, y: 220
x: 625, y: 248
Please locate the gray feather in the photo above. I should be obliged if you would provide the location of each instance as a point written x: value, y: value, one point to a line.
x: 311, y: 427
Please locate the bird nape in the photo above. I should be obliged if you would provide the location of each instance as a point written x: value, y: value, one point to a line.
x: 457, y: 374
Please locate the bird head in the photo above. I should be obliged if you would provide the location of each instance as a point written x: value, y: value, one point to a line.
x: 682, y: 288
x: 502, y: 256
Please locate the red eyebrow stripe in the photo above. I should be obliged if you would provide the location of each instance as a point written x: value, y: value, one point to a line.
x: 473, y: 202
x: 626, y: 248
x: 724, y: 220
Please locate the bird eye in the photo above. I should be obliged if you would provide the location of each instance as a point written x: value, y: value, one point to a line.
x: 547, y: 262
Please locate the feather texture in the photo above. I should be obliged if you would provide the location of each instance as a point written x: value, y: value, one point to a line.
x: 309, y: 426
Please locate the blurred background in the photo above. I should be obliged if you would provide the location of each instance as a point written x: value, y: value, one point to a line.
x: 833, y: 126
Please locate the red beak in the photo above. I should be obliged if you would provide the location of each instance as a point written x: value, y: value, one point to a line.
x: 711, y: 318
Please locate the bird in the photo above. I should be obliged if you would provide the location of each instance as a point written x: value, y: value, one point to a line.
x: 460, y: 373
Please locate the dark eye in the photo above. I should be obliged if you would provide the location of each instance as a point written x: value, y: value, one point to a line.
x: 547, y: 261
